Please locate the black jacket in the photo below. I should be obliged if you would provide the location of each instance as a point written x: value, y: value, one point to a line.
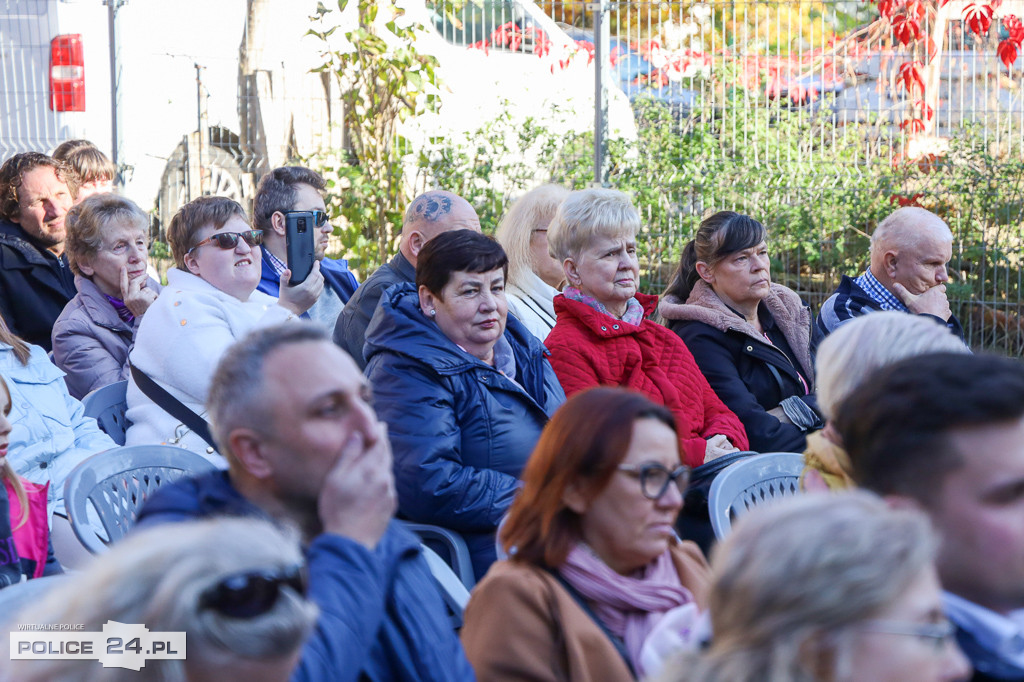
x: 737, y: 360
x: 35, y: 285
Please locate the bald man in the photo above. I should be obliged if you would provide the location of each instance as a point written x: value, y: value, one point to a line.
x: 429, y: 215
x: 909, y: 252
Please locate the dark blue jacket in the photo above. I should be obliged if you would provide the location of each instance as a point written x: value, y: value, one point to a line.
x: 460, y: 430
x: 381, y: 617
x: 850, y: 301
x: 35, y: 285
x: 335, y: 271
x: 350, y: 330
x: 988, y: 667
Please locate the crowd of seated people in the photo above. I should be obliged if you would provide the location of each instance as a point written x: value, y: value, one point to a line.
x: 442, y: 400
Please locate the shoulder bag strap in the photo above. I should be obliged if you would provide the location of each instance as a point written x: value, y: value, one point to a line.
x: 619, y: 645
x: 171, y: 405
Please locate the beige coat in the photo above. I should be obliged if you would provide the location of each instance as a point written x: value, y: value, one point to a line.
x: 521, y: 625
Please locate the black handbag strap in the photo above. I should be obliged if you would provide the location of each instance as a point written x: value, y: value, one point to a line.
x: 619, y: 645
x: 171, y: 405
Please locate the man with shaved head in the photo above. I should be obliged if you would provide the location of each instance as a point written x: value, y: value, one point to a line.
x: 429, y: 214
x: 909, y: 252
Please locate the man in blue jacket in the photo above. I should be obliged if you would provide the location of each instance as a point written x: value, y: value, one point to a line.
x: 288, y: 410
x: 294, y: 188
x: 35, y: 281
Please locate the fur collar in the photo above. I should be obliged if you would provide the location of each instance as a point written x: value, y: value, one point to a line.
x: 790, y: 314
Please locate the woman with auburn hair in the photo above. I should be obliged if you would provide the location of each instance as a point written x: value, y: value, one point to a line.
x: 594, y: 563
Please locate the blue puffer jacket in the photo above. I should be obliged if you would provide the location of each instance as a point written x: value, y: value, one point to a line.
x: 381, y: 617
x: 460, y: 430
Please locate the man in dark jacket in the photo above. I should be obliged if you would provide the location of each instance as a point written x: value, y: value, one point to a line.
x: 944, y: 433
x: 35, y: 282
x: 429, y: 214
x: 294, y: 188
x: 909, y: 252
x: 288, y: 411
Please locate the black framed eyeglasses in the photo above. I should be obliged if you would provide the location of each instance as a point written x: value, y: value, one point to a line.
x: 319, y: 217
x: 938, y: 634
x: 654, y: 478
x: 252, y: 593
x: 229, y: 240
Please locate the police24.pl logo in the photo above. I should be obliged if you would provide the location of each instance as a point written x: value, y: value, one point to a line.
x: 120, y: 645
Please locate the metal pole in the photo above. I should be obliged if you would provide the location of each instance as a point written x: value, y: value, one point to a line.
x: 602, y: 37
x: 115, y: 85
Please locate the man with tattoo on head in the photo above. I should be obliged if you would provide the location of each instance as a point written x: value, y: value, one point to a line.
x: 429, y: 214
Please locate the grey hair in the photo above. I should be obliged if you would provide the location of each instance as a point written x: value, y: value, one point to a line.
x: 870, y: 342
x: 792, y: 580
x: 87, y: 221
x: 237, y: 396
x: 533, y: 210
x: 589, y: 213
x: 155, y: 577
x: 906, y: 226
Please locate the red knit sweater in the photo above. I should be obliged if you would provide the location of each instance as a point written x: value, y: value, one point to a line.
x: 589, y: 348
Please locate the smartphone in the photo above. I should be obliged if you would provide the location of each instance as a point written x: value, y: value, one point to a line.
x: 300, y: 235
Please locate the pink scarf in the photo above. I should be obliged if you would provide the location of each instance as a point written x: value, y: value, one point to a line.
x: 629, y: 606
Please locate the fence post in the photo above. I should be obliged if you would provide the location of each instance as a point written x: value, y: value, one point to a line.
x: 602, y: 37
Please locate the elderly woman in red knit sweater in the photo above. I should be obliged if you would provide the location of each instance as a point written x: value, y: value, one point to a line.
x: 602, y: 336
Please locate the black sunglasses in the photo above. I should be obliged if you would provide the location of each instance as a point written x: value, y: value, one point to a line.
x: 229, y: 240
x: 253, y: 593
x: 319, y: 217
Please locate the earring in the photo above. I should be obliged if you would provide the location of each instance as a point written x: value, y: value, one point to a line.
x: 433, y: 312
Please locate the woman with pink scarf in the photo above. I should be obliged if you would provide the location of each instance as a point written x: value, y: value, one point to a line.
x: 594, y: 563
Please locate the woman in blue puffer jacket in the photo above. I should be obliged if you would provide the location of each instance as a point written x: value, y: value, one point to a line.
x: 465, y: 389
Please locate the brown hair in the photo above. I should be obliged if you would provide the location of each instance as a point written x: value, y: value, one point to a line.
x: 719, y: 235
x: 12, y: 172
x: 20, y: 348
x: 277, y: 192
x: 86, y: 160
x: 582, y: 446
x: 194, y: 216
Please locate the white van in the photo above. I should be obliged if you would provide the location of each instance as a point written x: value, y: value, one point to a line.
x: 210, y: 94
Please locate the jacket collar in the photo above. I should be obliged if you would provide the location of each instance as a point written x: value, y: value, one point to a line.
x: 403, y: 267
x: 13, y: 236
x: 786, y: 309
x: 97, y: 307
x: 540, y: 293
x: 601, y: 324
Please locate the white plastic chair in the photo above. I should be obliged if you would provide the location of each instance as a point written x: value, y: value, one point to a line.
x: 751, y: 483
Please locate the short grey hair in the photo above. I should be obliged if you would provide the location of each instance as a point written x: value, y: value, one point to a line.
x: 87, y: 221
x: 533, y: 210
x: 156, y: 577
x: 906, y: 226
x: 869, y: 342
x: 793, y: 579
x: 238, y: 397
x: 589, y: 213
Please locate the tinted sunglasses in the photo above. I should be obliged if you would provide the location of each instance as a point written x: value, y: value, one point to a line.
x: 252, y: 593
x: 229, y: 240
x: 319, y: 217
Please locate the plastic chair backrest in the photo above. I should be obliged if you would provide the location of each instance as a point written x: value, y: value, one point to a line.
x: 107, y: 406
x: 752, y: 482
x: 453, y: 548
x: 117, y: 482
x: 453, y: 592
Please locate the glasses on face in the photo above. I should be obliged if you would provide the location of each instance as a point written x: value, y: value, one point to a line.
x: 937, y: 634
x: 654, y: 478
x: 319, y: 217
x: 229, y: 240
x: 253, y: 593
x: 121, y: 248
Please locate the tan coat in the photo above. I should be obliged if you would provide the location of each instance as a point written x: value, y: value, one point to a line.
x: 521, y: 625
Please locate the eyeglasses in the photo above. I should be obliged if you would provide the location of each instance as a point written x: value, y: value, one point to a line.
x: 121, y: 248
x: 938, y: 634
x: 253, y: 593
x: 319, y: 217
x: 229, y: 240
x: 654, y: 478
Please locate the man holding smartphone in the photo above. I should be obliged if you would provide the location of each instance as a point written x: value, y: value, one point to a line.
x: 292, y: 189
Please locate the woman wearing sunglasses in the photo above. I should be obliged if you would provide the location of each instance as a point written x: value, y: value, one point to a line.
x: 235, y: 587
x: 210, y: 301
x: 827, y: 588
x: 594, y: 564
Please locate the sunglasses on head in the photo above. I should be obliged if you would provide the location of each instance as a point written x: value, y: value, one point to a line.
x: 229, y: 240
x: 319, y: 217
x: 252, y: 593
